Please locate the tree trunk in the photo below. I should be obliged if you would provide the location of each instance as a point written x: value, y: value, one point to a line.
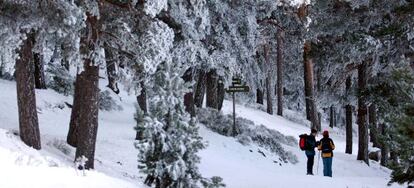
x: 220, y: 93
x: 200, y: 89
x: 259, y: 96
x: 311, y: 113
x: 142, y: 103
x: 348, y: 113
x: 88, y: 113
x: 362, y: 114
x: 279, y: 66
x: 269, y: 98
x: 348, y: 118
x: 72, y: 137
x: 332, y: 117
x: 26, y: 96
x: 39, y: 72
x: 384, y: 147
x: 373, y: 127
x: 111, y: 70
x: 64, y: 62
x: 211, y: 89
x: 188, y: 97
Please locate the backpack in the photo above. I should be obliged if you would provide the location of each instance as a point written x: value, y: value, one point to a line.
x: 302, y: 141
x: 326, y: 146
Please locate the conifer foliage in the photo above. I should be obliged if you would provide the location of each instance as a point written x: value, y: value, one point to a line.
x: 167, y: 151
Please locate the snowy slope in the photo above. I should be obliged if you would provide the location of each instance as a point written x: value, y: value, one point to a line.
x: 53, y: 165
x: 240, y: 166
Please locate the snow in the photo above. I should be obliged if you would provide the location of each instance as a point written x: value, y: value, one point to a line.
x: 116, y: 158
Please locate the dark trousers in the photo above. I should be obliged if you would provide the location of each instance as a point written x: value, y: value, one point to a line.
x: 310, y: 163
x: 327, y: 166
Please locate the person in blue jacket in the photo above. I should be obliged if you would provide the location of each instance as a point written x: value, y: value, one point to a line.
x: 310, y: 150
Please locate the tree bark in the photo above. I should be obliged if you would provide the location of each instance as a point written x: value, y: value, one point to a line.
x: 64, y: 62
x: 72, y: 137
x: 211, y: 89
x: 373, y: 126
x: 348, y: 114
x: 142, y: 103
x: 362, y: 114
x: 311, y: 113
x: 332, y: 117
x: 26, y: 96
x: 269, y: 98
x: 348, y: 118
x: 111, y: 70
x: 259, y: 96
x: 279, y: 66
x: 39, y: 72
x: 200, y: 89
x: 220, y: 93
x: 383, y: 146
x: 88, y: 112
x: 188, y: 97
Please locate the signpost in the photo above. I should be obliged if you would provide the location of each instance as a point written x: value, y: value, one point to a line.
x: 234, y: 88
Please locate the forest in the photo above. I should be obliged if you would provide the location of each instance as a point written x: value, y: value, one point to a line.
x: 349, y: 63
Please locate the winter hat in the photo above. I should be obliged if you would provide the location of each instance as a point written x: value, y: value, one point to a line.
x: 313, y: 131
x: 325, y: 133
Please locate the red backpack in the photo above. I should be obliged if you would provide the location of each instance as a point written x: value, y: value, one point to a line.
x: 302, y: 141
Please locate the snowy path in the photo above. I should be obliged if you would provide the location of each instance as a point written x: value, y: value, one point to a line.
x: 241, y: 168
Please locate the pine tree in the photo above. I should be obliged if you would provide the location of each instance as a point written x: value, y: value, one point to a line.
x: 167, y: 152
x: 26, y: 96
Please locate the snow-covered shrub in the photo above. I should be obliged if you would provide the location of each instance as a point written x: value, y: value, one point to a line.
x: 247, y: 132
x: 213, y: 182
x: 60, y: 80
x: 4, y: 74
x: 61, y: 146
x: 107, y: 102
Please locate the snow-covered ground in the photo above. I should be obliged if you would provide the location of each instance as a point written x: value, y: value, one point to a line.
x: 116, y: 161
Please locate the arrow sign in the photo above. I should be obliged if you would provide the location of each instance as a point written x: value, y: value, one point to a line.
x: 238, y: 89
x: 236, y: 81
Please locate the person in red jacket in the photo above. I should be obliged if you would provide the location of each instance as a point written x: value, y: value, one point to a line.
x: 326, y: 145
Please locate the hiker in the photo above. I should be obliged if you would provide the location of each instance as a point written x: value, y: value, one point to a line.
x: 310, y: 150
x: 326, y: 145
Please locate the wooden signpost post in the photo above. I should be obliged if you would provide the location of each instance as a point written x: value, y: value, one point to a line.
x: 234, y: 88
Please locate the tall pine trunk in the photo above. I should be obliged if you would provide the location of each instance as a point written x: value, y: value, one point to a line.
x: 142, y: 104
x: 311, y: 113
x: 39, y: 72
x: 211, y: 89
x: 362, y: 114
x: 373, y: 126
x: 220, y: 93
x: 111, y: 69
x: 200, y: 88
x: 65, y: 61
x: 348, y: 118
x: 189, y: 97
x: 72, y: 137
x: 26, y: 96
x: 259, y: 96
x: 383, y: 146
x: 269, y: 98
x: 88, y: 110
x: 332, y: 117
x: 279, y: 66
x: 348, y: 121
